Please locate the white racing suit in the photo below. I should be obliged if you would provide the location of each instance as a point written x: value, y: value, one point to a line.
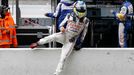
x: 73, y: 29
x: 126, y: 9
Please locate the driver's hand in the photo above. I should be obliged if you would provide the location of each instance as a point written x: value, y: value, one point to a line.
x: 62, y: 29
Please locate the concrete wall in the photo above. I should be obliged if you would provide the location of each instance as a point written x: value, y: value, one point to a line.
x: 88, y: 61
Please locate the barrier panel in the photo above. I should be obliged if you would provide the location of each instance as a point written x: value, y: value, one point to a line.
x: 88, y: 61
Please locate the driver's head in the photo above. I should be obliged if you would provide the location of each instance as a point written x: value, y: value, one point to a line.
x: 80, y: 9
x: 3, y: 11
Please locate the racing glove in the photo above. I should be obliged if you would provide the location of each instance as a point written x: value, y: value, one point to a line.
x: 49, y: 15
x: 78, y: 47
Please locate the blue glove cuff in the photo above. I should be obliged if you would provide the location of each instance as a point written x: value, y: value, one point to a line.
x: 50, y: 15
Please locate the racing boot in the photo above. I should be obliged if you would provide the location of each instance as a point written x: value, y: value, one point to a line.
x: 33, y: 45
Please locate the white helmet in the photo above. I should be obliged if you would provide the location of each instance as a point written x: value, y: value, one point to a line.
x: 80, y: 9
